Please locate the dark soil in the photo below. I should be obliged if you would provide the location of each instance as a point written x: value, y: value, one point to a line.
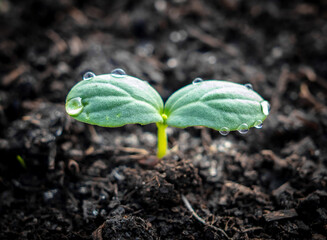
x: 86, y: 182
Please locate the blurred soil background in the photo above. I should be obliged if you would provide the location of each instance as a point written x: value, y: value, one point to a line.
x: 62, y: 179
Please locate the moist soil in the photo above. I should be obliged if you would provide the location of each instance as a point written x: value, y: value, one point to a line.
x: 63, y: 179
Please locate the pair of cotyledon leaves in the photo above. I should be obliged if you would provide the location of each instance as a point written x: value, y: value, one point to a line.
x: 111, y: 100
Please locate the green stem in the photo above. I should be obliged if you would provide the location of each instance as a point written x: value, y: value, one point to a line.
x: 162, y: 140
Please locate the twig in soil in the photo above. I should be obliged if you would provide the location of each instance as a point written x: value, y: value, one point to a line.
x: 280, y: 214
x: 97, y: 234
x: 142, y: 156
x: 312, y: 76
x: 306, y: 94
x: 94, y: 135
x: 211, y: 41
x: 206, y: 140
x: 280, y: 88
x: 201, y: 220
x: 133, y: 150
x: 13, y: 75
x: 52, y: 156
x: 251, y: 229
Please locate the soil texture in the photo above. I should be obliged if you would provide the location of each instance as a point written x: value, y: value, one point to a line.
x: 63, y: 179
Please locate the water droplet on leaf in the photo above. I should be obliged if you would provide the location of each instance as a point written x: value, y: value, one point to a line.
x: 243, y: 128
x: 74, y: 106
x: 265, y: 107
x: 224, y: 131
x: 88, y: 76
x: 197, y: 81
x: 258, y: 124
x: 248, y: 86
x: 118, y: 73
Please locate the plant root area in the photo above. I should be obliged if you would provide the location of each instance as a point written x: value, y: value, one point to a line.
x: 63, y: 179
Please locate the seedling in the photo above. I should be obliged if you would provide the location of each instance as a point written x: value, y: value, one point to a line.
x: 21, y: 161
x: 116, y: 99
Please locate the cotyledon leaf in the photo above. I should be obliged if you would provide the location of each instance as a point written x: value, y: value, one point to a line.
x: 221, y: 105
x: 110, y: 101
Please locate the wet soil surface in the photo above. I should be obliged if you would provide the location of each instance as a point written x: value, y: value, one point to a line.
x: 62, y: 179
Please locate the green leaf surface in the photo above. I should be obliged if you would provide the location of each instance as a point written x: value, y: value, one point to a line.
x: 113, y: 101
x: 216, y: 104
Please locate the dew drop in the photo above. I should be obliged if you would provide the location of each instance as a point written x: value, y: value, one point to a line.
x: 88, y: 76
x: 243, y: 128
x: 102, y: 196
x: 118, y: 73
x: 74, y: 106
x: 258, y: 124
x: 95, y: 212
x: 265, y: 107
x: 248, y: 86
x: 197, y: 81
x: 224, y: 131
x: 49, y: 195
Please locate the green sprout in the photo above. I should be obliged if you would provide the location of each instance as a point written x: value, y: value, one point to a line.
x: 116, y: 99
x: 21, y: 161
